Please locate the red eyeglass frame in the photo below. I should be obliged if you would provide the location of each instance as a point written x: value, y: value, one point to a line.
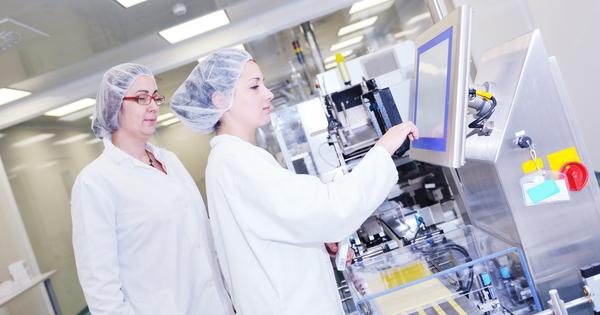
x: 152, y: 97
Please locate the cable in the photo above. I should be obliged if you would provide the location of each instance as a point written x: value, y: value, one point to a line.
x: 462, y: 250
x: 462, y: 289
x: 420, y: 227
x: 479, y: 121
x: 506, y: 309
x: 323, y: 157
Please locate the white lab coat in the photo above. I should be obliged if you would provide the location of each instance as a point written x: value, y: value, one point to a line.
x: 141, y: 239
x: 270, y: 224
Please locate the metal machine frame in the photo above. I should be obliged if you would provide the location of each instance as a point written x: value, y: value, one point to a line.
x: 557, y: 238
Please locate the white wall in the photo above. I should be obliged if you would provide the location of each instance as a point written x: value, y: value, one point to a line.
x: 14, y: 245
x: 191, y: 148
x: 570, y: 30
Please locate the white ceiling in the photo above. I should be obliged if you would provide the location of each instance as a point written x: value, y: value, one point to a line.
x: 87, y: 37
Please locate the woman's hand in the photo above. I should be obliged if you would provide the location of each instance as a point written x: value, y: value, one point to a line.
x: 332, y: 249
x: 395, y: 136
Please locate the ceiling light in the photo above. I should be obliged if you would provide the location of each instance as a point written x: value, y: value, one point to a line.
x: 332, y: 58
x: 32, y: 140
x: 195, y: 27
x: 418, y: 18
x: 404, y: 33
x: 72, y: 139
x: 356, y: 26
x: 8, y: 95
x: 71, y: 108
x: 95, y: 140
x: 47, y: 164
x: 19, y: 168
x: 78, y: 115
x: 164, y: 116
x: 169, y: 122
x: 365, y: 4
x: 129, y: 3
x: 240, y: 47
x: 346, y: 43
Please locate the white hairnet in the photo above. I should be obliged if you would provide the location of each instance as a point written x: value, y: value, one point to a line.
x: 114, y: 85
x: 219, y: 72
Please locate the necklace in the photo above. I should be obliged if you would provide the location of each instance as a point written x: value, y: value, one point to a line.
x: 149, y: 159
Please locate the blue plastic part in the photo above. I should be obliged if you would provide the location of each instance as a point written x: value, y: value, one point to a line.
x: 505, y: 272
x: 486, y: 279
x: 542, y: 191
x: 419, y: 219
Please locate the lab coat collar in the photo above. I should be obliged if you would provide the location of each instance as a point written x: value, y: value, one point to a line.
x: 120, y: 156
x: 227, y: 138
x: 240, y: 144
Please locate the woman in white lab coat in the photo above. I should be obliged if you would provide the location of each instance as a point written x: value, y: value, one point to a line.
x: 140, y: 232
x: 270, y: 224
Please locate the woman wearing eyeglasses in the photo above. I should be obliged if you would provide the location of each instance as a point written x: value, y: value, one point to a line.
x: 140, y: 232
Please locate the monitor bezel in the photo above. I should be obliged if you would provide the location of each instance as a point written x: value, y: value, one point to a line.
x: 459, y: 22
x: 431, y: 143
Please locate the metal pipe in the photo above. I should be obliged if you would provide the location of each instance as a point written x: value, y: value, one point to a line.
x: 300, y: 57
x: 309, y: 35
x: 552, y: 311
x: 290, y: 96
x: 580, y: 301
x: 546, y: 312
x: 558, y: 306
x: 437, y: 9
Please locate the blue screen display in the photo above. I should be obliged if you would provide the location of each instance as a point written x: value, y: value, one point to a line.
x: 433, y: 92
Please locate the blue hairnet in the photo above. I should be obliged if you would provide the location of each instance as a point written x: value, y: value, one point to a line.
x: 219, y: 72
x: 114, y: 85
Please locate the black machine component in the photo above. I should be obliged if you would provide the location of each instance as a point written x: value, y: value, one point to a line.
x: 484, y: 104
x: 379, y: 102
x: 524, y: 142
x: 590, y: 270
x: 424, y: 198
x: 382, y: 104
x: 300, y: 166
x: 348, y: 98
x: 332, y: 123
x: 442, y: 254
x: 433, y: 189
x: 405, y: 199
x: 371, y: 233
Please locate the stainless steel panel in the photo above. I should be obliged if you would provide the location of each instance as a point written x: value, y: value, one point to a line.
x: 557, y: 238
x: 486, y: 206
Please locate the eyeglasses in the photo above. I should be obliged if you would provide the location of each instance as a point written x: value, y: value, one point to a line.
x: 145, y: 99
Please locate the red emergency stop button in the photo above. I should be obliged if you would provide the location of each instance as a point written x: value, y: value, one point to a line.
x: 577, y: 175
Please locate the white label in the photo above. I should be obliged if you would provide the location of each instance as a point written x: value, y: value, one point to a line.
x: 562, y: 195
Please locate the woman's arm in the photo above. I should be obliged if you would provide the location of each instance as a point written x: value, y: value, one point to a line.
x: 279, y: 205
x: 95, y: 248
